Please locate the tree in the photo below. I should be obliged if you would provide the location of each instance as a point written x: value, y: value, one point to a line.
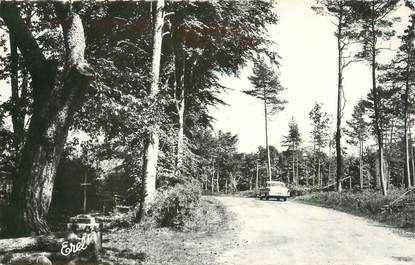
x: 320, y: 135
x: 267, y: 88
x: 375, y: 25
x: 54, y: 106
x: 151, y: 143
x: 358, y: 132
x: 343, y: 16
x: 401, y: 72
x: 292, y: 141
x: 203, y: 41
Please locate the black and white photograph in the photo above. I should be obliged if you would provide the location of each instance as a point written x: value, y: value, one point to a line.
x: 207, y: 132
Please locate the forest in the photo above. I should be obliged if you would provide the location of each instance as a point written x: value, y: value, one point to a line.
x: 118, y: 94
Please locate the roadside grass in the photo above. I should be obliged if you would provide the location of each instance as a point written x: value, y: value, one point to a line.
x: 196, y: 243
x: 369, y: 204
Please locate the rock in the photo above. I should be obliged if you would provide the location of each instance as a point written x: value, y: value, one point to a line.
x: 30, y: 260
x: 42, y: 260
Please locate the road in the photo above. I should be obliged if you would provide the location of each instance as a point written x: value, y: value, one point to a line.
x: 279, y: 233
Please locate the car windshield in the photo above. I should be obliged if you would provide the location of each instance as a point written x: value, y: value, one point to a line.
x: 276, y: 184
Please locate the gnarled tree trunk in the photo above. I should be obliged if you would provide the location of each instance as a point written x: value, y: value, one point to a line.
x: 54, y: 105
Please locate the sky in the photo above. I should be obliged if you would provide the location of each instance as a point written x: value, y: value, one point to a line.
x: 308, y: 48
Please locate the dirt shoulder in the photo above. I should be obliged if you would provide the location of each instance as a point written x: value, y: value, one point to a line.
x: 165, y: 246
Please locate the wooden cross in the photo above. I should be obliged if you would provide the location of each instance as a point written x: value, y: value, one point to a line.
x: 85, y: 186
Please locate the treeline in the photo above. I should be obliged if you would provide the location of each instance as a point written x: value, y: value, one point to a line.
x: 380, y: 149
x: 129, y: 82
x: 369, y: 26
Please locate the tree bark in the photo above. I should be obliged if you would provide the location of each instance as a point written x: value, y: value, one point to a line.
x: 54, y: 106
x: 52, y: 242
x: 17, y: 114
x: 151, y: 141
x: 180, y: 70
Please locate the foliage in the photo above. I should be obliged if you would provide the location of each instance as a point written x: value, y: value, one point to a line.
x: 174, y: 206
x: 368, y: 203
x: 267, y: 86
x: 321, y: 125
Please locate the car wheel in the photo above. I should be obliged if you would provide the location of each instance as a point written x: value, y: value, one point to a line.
x: 285, y: 199
x: 266, y: 198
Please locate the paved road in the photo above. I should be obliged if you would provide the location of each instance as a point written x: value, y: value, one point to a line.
x: 279, y: 233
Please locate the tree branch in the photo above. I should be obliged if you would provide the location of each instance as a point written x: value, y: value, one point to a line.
x: 32, y: 54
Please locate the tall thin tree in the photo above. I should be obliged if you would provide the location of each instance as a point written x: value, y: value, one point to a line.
x: 267, y: 87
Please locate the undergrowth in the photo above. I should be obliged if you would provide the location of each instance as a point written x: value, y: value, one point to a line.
x: 370, y: 204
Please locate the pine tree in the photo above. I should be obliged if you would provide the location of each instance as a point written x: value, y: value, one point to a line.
x: 343, y: 18
x: 320, y: 135
x: 376, y: 25
x: 292, y: 141
x: 267, y: 87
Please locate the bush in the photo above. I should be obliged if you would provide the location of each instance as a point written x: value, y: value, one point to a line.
x: 369, y: 203
x: 174, y: 206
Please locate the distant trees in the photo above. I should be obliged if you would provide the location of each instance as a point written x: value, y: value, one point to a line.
x: 292, y: 141
x: 401, y: 74
x: 320, y: 121
x: 267, y: 87
x: 358, y: 132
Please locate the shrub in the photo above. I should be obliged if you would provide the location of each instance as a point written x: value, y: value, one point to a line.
x: 174, y: 206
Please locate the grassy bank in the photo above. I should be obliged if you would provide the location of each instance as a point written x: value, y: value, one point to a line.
x: 196, y: 244
x: 370, y: 204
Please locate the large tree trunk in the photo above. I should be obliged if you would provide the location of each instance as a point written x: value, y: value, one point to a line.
x: 339, y: 155
x: 376, y: 106
x: 54, y: 106
x: 151, y: 145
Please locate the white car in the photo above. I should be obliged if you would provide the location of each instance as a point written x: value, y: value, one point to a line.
x: 274, y: 189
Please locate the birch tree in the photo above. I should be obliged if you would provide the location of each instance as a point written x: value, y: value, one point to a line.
x: 151, y: 142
